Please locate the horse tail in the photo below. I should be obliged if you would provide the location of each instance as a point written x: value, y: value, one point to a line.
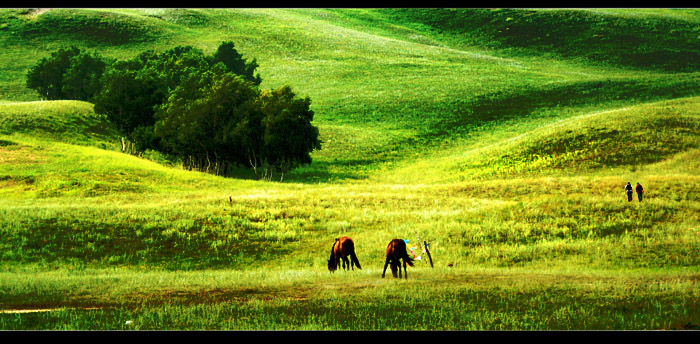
x: 408, y: 259
x: 349, y: 250
x: 354, y: 260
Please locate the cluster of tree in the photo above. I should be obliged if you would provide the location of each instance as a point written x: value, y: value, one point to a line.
x: 208, y: 110
x: 68, y: 74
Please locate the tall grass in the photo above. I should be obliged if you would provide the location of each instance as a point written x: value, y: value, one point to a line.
x: 446, y: 300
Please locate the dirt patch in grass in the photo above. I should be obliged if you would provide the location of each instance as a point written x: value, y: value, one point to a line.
x: 33, y: 12
x: 17, y: 154
x: 41, y: 310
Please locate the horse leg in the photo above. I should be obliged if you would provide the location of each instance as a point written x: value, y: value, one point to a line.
x: 405, y: 273
x: 392, y: 265
x: 346, y: 263
x: 386, y: 263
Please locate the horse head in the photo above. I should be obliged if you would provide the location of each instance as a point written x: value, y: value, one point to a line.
x: 331, y: 261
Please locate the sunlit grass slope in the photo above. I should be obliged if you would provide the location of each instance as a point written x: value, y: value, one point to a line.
x: 64, y: 121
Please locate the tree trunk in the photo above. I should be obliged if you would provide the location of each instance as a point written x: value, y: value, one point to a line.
x: 253, y: 161
x: 285, y: 167
x: 216, y: 164
x: 208, y: 162
x: 268, y: 173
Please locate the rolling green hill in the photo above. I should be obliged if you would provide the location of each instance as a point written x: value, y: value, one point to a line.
x: 373, y: 54
x: 501, y: 137
x: 658, y: 39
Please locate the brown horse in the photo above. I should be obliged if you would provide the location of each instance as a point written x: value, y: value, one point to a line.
x: 341, y: 250
x: 395, y: 252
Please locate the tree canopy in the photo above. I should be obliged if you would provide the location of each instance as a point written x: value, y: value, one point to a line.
x: 207, y: 110
x: 67, y: 74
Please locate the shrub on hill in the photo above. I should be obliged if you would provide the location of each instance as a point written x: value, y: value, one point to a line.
x: 235, y: 124
x: 68, y: 74
x: 127, y: 99
x: 227, y: 54
x: 133, y: 89
x: 289, y: 136
x: 204, y: 108
x: 207, y: 110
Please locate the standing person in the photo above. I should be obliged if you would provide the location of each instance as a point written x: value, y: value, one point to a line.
x: 640, y: 191
x: 628, y: 188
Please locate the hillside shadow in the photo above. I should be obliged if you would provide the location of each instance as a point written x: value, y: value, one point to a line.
x: 89, y: 26
x: 612, y: 38
x: 338, y: 170
x: 520, y: 103
x: 319, y: 171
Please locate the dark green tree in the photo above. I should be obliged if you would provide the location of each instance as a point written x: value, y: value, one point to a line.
x: 227, y: 54
x: 208, y: 111
x: 198, y: 120
x: 289, y: 136
x: 133, y: 89
x: 46, y: 77
x: 249, y: 132
x: 172, y: 66
x: 67, y: 74
x: 82, y: 79
x: 128, y: 98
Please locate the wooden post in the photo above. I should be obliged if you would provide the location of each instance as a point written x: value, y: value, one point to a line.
x: 425, y: 244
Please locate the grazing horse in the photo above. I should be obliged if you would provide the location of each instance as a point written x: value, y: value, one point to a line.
x: 341, y: 250
x: 395, y: 252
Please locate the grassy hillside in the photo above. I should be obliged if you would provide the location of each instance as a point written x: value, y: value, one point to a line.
x: 65, y: 121
x: 656, y: 38
x: 503, y: 138
x: 656, y: 138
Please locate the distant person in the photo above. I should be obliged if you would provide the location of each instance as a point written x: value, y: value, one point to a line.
x: 640, y: 191
x: 629, y: 190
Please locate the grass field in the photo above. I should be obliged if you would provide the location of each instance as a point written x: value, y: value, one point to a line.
x: 505, y: 147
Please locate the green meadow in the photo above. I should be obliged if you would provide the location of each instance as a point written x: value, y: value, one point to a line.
x: 503, y: 138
